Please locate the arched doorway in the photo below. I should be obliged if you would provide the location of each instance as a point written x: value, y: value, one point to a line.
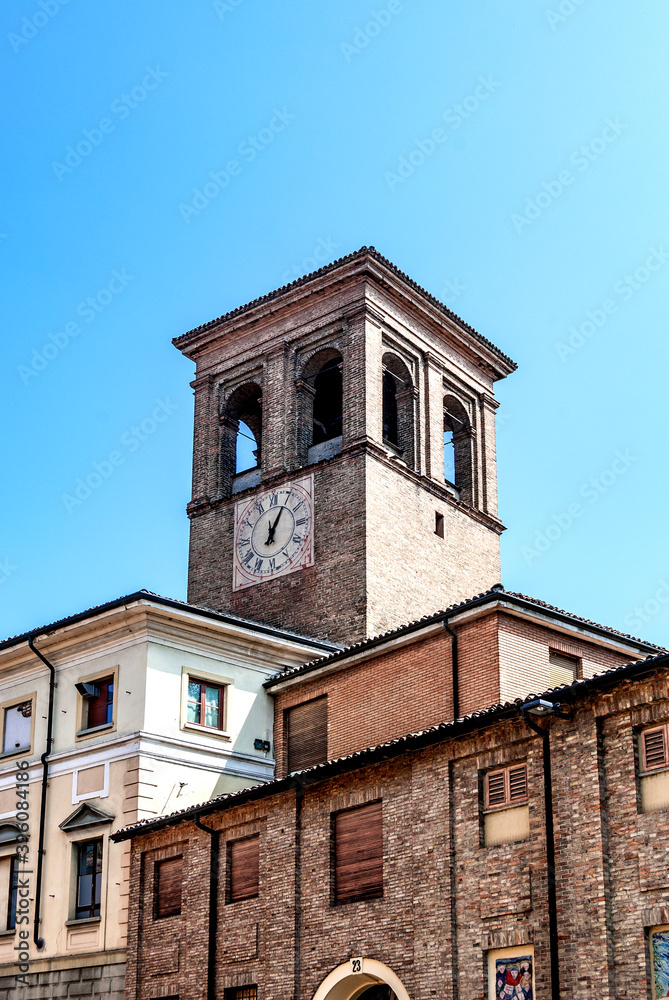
x: 361, y: 979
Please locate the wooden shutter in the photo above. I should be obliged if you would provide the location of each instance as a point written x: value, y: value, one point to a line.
x: 244, y: 861
x: 654, y: 748
x: 359, y: 853
x: 307, y: 734
x: 496, y: 789
x: 168, y: 887
x: 517, y: 783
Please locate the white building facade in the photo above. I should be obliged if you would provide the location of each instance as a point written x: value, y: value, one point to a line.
x: 153, y: 705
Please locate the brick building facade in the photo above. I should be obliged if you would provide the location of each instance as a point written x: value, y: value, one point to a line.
x: 474, y: 893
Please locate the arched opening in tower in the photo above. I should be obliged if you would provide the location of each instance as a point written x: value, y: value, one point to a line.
x: 327, y: 419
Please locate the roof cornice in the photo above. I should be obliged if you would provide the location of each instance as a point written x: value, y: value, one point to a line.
x: 495, y: 599
x: 365, y: 262
x: 144, y: 600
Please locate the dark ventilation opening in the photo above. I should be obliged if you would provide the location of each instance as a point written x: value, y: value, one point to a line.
x: 327, y: 421
x: 390, y: 408
x: 377, y: 993
x: 439, y: 524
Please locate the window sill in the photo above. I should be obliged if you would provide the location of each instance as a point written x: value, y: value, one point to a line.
x: 80, y: 921
x: 108, y: 726
x: 657, y: 770
x: 221, y: 734
x: 8, y: 934
x: 14, y: 753
x: 506, y: 806
x: 326, y: 449
x: 245, y: 480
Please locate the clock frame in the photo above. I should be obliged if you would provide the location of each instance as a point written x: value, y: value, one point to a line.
x: 274, y: 533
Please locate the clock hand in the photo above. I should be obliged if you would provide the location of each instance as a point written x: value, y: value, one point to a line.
x: 272, y: 528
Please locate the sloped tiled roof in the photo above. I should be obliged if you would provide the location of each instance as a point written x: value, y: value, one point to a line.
x: 414, y: 626
x: 402, y: 744
x: 327, y: 269
x: 139, y: 595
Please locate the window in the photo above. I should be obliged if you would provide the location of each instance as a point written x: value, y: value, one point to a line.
x: 242, y: 993
x: 205, y: 704
x: 243, y: 868
x: 507, y: 787
x: 439, y: 524
x: 16, y: 727
x: 98, y: 698
x: 307, y: 734
x: 358, y: 854
x: 654, y: 748
x: 562, y: 669
x: 13, y: 893
x: 167, y: 887
x: 89, y: 879
x: 506, y: 816
x: 654, y: 768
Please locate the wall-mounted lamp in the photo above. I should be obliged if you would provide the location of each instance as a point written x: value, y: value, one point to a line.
x: 540, y: 708
x: 88, y: 690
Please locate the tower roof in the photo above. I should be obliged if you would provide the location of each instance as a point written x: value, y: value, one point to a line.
x: 367, y: 262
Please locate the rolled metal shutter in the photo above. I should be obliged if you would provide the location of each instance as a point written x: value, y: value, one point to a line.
x: 168, y: 887
x: 359, y: 853
x: 307, y: 734
x: 244, y: 860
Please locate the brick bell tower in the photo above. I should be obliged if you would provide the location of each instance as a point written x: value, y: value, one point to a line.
x: 344, y: 469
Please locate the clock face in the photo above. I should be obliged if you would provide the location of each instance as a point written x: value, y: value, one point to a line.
x: 274, y: 533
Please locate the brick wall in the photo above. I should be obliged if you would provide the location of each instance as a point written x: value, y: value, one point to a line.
x: 447, y: 898
x: 81, y: 981
x: 524, y: 648
x: 404, y: 690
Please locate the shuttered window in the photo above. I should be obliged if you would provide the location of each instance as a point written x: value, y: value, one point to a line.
x: 358, y: 853
x: 243, y: 868
x: 506, y: 787
x: 168, y: 887
x: 242, y: 993
x: 562, y: 669
x: 654, y: 747
x: 307, y: 734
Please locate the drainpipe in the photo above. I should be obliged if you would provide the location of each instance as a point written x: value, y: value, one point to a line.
x: 455, y: 676
x: 299, y: 796
x: 39, y: 941
x: 213, y: 905
x: 545, y: 735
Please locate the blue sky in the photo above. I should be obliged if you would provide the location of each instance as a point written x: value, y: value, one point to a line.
x: 537, y: 211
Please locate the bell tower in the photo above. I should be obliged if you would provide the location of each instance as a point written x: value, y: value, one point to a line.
x: 344, y: 468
